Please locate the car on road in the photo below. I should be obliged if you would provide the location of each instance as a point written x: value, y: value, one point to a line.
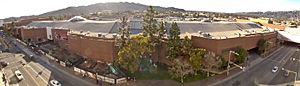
x: 275, y: 69
x: 55, y: 83
x: 19, y: 75
x: 31, y: 57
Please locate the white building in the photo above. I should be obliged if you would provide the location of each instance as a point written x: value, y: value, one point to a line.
x: 290, y: 34
x: 1, y: 23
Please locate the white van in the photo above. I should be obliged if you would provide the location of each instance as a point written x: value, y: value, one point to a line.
x: 19, y: 75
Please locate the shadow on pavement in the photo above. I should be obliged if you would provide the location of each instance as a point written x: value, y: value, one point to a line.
x: 13, y: 80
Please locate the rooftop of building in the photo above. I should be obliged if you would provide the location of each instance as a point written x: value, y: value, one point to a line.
x: 278, y: 27
x: 86, y: 26
x: 218, y: 30
x: 107, y: 29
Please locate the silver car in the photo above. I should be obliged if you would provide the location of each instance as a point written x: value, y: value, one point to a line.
x: 54, y: 83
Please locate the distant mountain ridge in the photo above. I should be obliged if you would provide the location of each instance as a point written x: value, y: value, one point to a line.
x: 130, y: 6
x: 113, y: 6
x: 276, y: 14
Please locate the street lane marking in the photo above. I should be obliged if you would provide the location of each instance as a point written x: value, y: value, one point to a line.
x: 37, y: 74
x: 31, y: 76
x: 273, y: 60
x: 42, y: 68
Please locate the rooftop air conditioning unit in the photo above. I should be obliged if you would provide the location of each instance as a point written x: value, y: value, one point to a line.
x: 200, y: 32
x: 114, y: 35
x: 99, y: 35
x: 88, y: 32
x: 206, y: 35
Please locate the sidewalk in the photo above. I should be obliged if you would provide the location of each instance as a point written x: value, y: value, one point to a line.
x: 297, y: 83
x: 48, y: 59
x: 71, y: 71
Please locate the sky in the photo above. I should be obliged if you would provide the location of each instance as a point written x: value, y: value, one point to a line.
x: 16, y: 8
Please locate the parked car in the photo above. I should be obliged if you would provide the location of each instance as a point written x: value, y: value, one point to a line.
x: 19, y: 75
x: 30, y: 56
x: 275, y: 69
x: 54, y: 83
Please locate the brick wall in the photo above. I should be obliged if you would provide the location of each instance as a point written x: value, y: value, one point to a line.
x: 36, y: 35
x: 60, y: 37
x: 218, y: 45
x: 92, y: 47
x: 221, y: 46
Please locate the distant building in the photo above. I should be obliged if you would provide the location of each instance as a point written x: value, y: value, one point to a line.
x: 1, y: 23
x: 290, y: 34
x: 25, y: 22
x: 273, y: 26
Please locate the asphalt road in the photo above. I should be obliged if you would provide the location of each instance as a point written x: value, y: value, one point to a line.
x: 292, y: 65
x: 37, y: 72
x: 261, y: 72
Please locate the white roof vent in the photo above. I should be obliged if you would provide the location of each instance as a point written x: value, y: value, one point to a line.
x: 114, y: 35
x: 99, y: 35
x: 77, y: 19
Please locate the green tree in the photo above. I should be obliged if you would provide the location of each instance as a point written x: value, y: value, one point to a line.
x: 179, y: 69
x: 123, y: 34
x: 10, y: 28
x: 243, y: 54
x: 196, y: 56
x: 150, y: 28
x: 210, y: 61
x: 186, y: 46
x: 173, y: 45
x: 262, y: 44
x: 161, y: 33
x: 129, y: 56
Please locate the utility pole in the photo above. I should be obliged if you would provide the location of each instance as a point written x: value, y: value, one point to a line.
x: 228, y: 66
x: 229, y: 62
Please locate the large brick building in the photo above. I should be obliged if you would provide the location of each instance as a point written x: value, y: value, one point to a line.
x: 89, y: 39
x: 95, y: 39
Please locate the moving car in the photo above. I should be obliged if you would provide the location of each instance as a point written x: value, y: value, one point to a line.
x: 19, y: 75
x: 30, y: 56
x: 54, y: 83
x: 275, y: 69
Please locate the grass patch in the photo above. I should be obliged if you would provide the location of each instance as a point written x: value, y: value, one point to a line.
x: 192, y: 78
x: 160, y: 73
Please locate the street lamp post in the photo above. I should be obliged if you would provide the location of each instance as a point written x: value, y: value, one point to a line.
x: 295, y: 79
x: 228, y: 66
